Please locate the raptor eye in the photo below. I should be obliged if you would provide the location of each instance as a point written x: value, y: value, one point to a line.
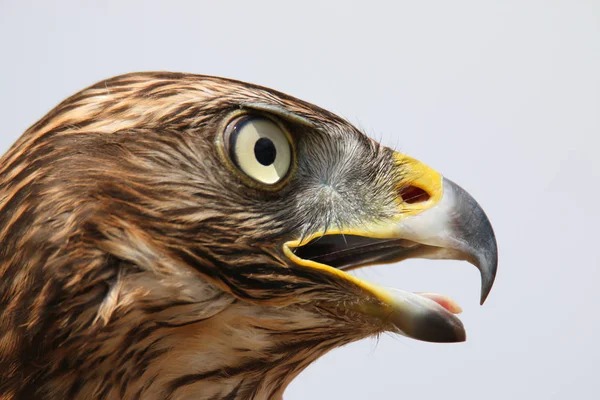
x: 260, y: 148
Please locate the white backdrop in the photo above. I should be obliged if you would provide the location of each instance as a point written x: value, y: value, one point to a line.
x: 502, y: 97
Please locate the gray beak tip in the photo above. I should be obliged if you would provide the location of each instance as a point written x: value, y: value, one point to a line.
x: 475, y: 235
x: 488, y: 275
x: 487, y: 260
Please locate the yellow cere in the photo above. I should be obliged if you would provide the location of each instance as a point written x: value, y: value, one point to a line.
x: 423, y: 177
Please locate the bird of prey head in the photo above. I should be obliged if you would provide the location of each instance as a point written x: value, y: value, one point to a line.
x: 175, y: 236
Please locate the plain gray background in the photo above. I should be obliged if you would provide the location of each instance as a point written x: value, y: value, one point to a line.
x: 502, y: 97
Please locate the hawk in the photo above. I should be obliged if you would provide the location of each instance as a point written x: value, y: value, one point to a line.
x: 177, y: 236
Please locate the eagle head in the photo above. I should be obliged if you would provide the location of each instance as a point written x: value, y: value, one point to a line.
x: 175, y: 236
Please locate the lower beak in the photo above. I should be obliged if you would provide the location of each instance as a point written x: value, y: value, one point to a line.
x: 449, y: 224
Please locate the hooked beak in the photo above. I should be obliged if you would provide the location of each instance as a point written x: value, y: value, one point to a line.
x: 455, y: 229
x: 446, y: 223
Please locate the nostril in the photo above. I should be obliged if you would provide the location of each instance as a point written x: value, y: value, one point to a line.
x: 412, y: 194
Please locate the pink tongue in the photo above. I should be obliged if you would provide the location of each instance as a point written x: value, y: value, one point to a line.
x: 443, y: 301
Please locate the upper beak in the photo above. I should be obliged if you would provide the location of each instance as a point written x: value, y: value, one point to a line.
x: 446, y: 223
x: 456, y: 228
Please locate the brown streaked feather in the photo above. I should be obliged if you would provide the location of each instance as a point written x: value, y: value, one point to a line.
x: 133, y: 264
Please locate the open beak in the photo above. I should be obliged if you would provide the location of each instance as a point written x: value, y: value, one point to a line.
x: 436, y: 219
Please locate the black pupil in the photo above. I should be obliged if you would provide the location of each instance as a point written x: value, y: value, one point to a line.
x: 264, y: 151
